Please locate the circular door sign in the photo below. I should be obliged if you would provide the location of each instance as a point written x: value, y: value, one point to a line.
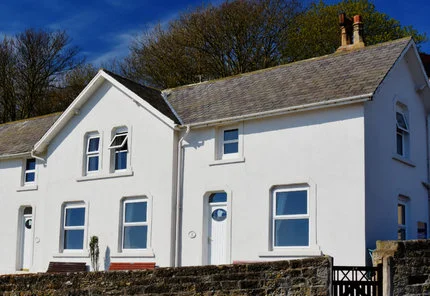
x: 28, y: 223
x: 219, y: 215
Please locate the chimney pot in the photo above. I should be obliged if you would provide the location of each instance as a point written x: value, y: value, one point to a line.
x: 357, y: 19
x: 351, y: 32
x: 358, y: 32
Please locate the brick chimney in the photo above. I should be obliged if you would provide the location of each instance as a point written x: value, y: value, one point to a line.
x: 351, y: 32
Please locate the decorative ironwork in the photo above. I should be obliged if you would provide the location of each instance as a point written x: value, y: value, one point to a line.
x: 357, y: 281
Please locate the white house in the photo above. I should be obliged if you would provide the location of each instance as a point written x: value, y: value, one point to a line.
x: 322, y: 156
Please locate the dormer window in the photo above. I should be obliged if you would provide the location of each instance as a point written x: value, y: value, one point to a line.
x: 119, y: 148
x: 30, y: 171
x: 93, y: 153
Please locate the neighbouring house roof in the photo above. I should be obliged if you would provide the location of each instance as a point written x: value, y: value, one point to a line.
x: 20, y: 136
x: 150, y: 95
x: 317, y: 80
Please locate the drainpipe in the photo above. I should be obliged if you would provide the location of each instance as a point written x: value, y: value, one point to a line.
x: 37, y: 157
x: 178, y: 197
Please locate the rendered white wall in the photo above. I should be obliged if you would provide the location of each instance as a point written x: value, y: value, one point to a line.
x: 323, y: 148
x: 387, y: 178
x: 152, y: 145
x: 10, y: 203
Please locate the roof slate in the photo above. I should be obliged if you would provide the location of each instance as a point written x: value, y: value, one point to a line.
x: 331, y: 77
x: 20, y: 136
x: 322, y: 79
x: 150, y: 95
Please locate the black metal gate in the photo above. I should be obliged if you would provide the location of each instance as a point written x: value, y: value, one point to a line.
x: 357, y: 281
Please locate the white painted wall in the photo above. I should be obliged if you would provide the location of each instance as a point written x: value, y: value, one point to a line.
x: 10, y: 203
x: 386, y: 177
x: 344, y: 154
x: 322, y: 148
x: 153, y: 151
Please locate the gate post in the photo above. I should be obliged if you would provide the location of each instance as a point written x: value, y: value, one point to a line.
x: 387, y: 276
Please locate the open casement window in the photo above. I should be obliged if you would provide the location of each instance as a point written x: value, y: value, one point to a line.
x: 93, y: 153
x: 402, y: 131
x: 290, y: 218
x: 73, y: 227
x: 30, y: 171
x: 119, y: 148
x: 135, y: 224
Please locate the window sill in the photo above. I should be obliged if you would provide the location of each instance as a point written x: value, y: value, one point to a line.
x: 404, y: 160
x: 81, y: 254
x: 293, y: 252
x: 149, y: 253
x: 27, y: 188
x: 227, y: 161
x: 126, y: 173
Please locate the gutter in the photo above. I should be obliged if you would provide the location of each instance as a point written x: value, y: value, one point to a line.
x: 178, y: 204
x: 37, y: 157
x: 17, y: 155
x: 299, y: 108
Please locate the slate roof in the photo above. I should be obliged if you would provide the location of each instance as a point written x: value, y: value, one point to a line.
x: 20, y: 136
x: 150, y: 95
x: 322, y: 79
x: 316, y: 80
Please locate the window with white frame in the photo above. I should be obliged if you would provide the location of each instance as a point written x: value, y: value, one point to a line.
x: 73, y: 227
x: 290, y: 217
x: 119, y: 148
x: 135, y: 224
x: 421, y: 230
x: 30, y: 171
x: 229, y: 142
x: 402, y: 130
x: 402, y: 218
x: 93, y: 153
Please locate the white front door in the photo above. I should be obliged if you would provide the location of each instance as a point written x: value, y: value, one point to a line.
x: 27, y: 241
x: 217, y: 250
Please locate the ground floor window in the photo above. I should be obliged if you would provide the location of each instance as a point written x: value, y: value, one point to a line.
x: 402, y: 218
x: 422, y: 230
x: 74, y: 227
x: 135, y: 224
x: 290, y: 217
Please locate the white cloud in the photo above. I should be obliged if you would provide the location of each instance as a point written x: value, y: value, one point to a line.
x: 120, y: 46
x: 76, y: 22
x: 122, y: 41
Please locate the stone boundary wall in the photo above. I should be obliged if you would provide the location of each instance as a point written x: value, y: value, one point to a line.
x: 406, y: 266
x: 294, y: 278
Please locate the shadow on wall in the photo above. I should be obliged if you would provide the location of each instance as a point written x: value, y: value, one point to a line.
x: 107, y: 258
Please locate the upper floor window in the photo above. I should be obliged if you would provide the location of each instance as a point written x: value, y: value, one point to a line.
x: 119, y: 148
x: 93, y: 153
x: 229, y: 143
x: 30, y: 171
x: 402, y: 130
x: 290, y: 217
x: 73, y: 227
x: 135, y: 224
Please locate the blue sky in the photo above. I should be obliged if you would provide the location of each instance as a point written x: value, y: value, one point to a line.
x: 103, y: 29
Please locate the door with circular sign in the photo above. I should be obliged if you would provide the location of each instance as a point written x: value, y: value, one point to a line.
x: 217, y: 233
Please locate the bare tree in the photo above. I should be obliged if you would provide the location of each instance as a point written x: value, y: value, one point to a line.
x: 32, y: 65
